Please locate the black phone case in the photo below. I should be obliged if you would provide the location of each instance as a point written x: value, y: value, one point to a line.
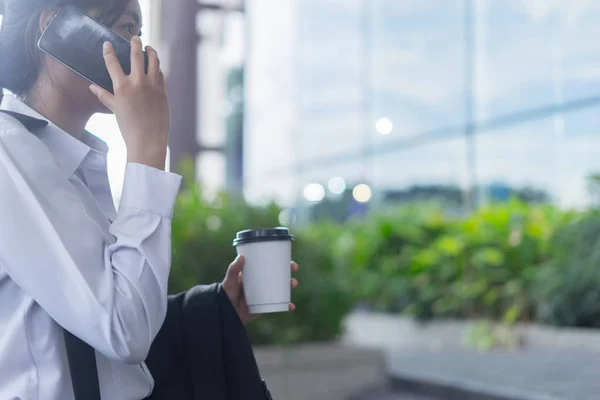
x: 75, y: 39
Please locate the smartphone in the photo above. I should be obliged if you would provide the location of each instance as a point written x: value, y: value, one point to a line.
x: 75, y: 39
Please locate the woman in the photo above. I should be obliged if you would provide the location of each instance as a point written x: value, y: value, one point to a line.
x: 68, y: 259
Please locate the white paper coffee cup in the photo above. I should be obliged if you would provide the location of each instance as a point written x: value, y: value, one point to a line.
x: 267, y: 270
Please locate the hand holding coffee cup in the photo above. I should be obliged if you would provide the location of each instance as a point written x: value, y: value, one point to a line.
x: 265, y: 255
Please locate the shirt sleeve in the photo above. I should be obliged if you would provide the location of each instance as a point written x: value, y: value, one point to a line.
x: 110, y: 290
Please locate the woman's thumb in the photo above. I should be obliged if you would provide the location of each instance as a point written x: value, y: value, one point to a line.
x: 235, y: 267
x: 104, y: 96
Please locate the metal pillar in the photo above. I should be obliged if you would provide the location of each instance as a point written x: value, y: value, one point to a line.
x: 366, y: 106
x: 471, y: 192
x: 234, y: 146
x: 178, y: 31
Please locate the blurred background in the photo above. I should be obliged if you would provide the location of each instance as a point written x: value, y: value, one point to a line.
x: 438, y: 163
x: 301, y: 101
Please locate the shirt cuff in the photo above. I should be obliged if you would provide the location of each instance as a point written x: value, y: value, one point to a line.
x: 150, y: 189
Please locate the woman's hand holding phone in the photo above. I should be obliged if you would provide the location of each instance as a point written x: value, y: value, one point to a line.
x: 140, y: 104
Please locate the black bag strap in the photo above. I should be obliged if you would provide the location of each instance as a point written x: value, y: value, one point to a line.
x: 30, y: 123
x: 82, y: 364
x: 81, y: 356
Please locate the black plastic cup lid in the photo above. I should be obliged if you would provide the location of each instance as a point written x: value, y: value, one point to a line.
x: 262, y: 235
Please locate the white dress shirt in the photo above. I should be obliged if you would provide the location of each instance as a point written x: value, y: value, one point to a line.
x: 67, y: 258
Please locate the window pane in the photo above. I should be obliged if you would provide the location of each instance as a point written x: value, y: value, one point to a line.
x: 270, y: 88
x: 280, y: 190
x: 435, y: 163
x: 534, y: 53
x: 511, y: 158
x: 417, y: 64
x: 331, y: 118
x: 555, y: 156
x: 212, y: 84
x: 210, y: 170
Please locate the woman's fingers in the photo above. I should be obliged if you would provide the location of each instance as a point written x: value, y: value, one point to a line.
x: 161, y: 81
x: 112, y: 63
x: 153, y: 64
x: 141, y: 108
x: 138, y: 68
x: 295, y: 267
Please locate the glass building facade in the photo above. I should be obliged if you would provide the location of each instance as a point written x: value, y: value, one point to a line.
x: 479, y: 98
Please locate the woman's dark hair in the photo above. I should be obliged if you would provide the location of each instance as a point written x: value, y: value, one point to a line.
x: 20, y: 59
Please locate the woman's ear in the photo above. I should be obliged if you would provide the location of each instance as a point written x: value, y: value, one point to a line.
x: 46, y: 16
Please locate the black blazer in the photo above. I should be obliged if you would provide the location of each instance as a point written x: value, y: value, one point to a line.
x: 202, y: 351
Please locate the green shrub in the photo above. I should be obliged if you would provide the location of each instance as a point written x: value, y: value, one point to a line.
x: 491, y: 259
x: 426, y: 264
x: 504, y: 263
x: 375, y: 253
x: 568, y: 287
x: 202, y: 238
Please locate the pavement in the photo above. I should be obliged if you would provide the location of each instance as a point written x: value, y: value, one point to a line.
x: 523, y: 375
x: 431, y: 359
x: 397, y: 396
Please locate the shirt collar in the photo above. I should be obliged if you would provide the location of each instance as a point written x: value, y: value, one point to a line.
x: 68, y: 152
